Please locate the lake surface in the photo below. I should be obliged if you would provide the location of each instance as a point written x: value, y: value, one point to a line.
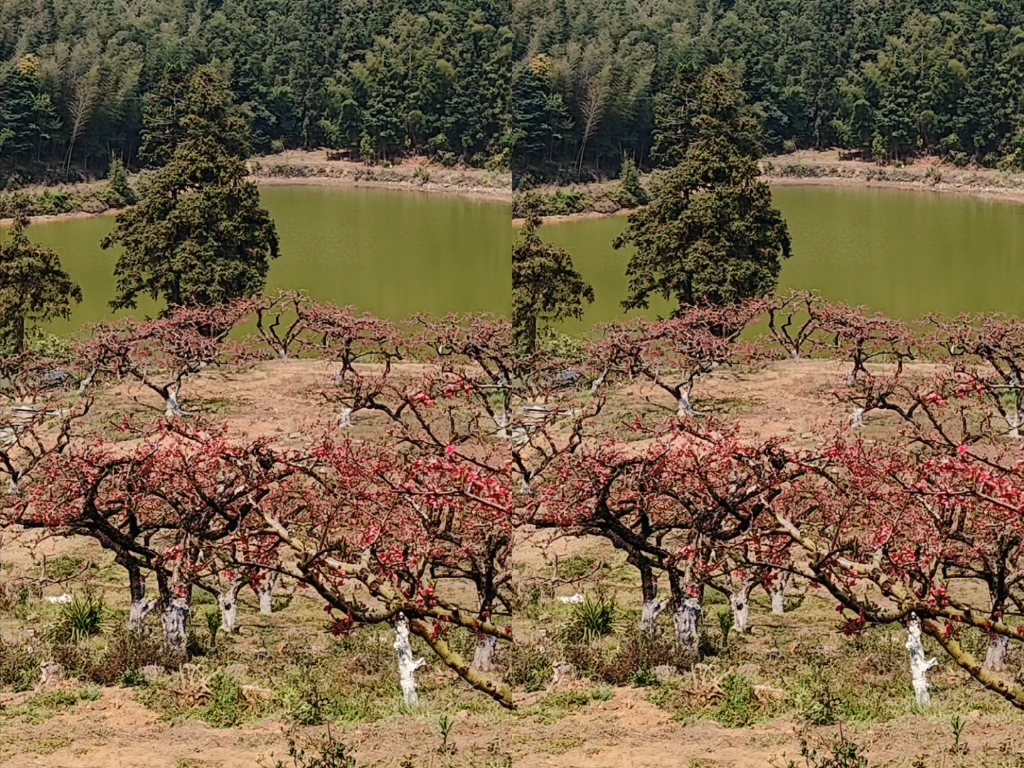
x: 392, y: 253
x: 905, y: 253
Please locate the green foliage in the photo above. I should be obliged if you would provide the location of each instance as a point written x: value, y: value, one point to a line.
x: 922, y: 77
x: 739, y: 706
x: 63, y: 566
x: 43, y: 706
x: 630, y: 193
x: 555, y: 706
x: 198, y: 234
x: 324, y: 753
x: 227, y: 705
x: 34, y: 288
x: 546, y: 289
x: 79, y: 619
x: 725, y: 624
x: 213, y: 623
x: 591, y: 619
x: 409, y: 78
x: 710, y: 234
x: 19, y: 667
x: 118, y: 193
x: 527, y: 666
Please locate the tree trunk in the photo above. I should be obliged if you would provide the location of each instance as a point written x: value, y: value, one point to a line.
x: 173, y: 409
x: 483, y: 659
x: 141, y: 606
x: 995, y: 659
x: 407, y: 665
x: 228, y: 602
x: 778, y: 593
x: 684, y: 408
x: 266, y: 593
x: 175, y: 622
x: 857, y: 418
x: 919, y: 666
x: 345, y: 418
x: 1013, y: 421
x: 653, y: 606
x: 740, y: 602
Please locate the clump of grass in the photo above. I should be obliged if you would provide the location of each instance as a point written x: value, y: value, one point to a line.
x: 592, y: 619
x: 79, y: 619
x: 43, y: 706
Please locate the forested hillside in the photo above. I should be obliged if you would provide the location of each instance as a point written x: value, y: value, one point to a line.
x: 380, y: 77
x: 886, y: 78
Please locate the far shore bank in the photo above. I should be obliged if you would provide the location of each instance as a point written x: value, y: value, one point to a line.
x: 295, y: 168
x: 811, y: 168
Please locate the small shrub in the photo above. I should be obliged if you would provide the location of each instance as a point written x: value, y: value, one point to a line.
x: 325, y: 753
x: 739, y: 706
x: 527, y: 666
x: 227, y: 705
x: 19, y: 668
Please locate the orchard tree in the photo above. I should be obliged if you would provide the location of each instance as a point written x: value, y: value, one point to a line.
x: 34, y: 288
x: 198, y: 234
x: 710, y: 233
x: 160, y: 354
x: 400, y: 528
x: 546, y: 288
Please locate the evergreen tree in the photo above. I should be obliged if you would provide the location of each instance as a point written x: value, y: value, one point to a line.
x: 198, y: 234
x: 119, y: 192
x: 33, y: 287
x: 546, y: 288
x: 710, y: 233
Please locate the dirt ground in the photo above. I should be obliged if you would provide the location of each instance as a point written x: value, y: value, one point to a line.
x: 600, y: 727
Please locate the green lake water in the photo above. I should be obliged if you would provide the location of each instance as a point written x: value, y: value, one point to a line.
x: 391, y: 253
x: 905, y: 253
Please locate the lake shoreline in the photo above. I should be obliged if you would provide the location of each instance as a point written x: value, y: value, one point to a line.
x: 825, y: 169
x: 301, y: 168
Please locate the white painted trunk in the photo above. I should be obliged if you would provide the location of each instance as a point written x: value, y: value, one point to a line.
x: 778, y: 593
x: 858, y: 418
x: 407, y: 665
x: 228, y: 602
x: 995, y: 659
x: 919, y: 665
x: 1013, y: 421
x: 266, y: 593
x: 345, y: 418
x: 173, y: 408
x: 138, y: 612
x: 483, y: 659
x: 686, y: 618
x: 649, y: 614
x: 684, y: 407
x: 501, y: 421
x: 175, y: 621
x: 740, y: 603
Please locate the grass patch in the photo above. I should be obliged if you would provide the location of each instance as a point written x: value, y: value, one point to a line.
x: 43, y: 706
x: 555, y: 706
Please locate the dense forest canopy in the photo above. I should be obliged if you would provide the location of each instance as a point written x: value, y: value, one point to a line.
x: 886, y: 78
x: 378, y: 77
